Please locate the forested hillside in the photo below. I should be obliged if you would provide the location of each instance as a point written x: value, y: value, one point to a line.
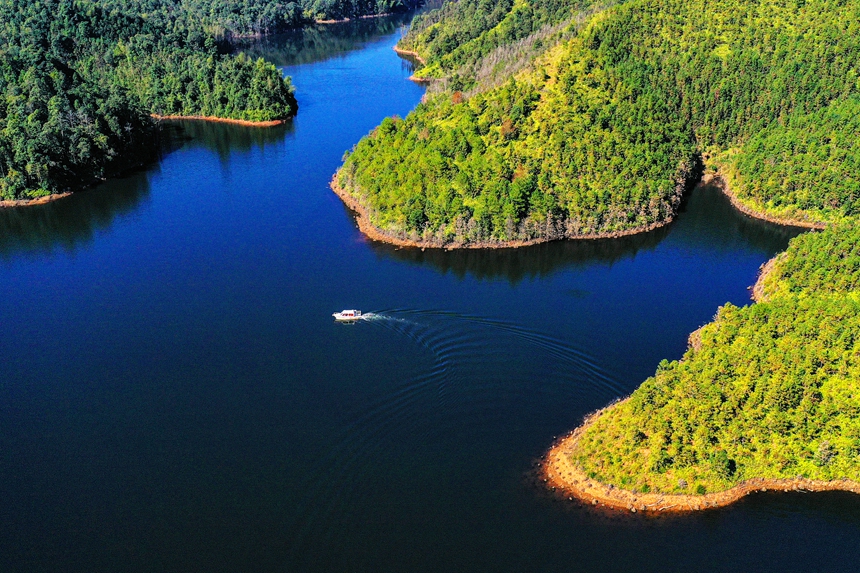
x: 463, y: 37
x: 81, y: 78
x: 770, y: 391
x: 600, y: 133
x: 561, y: 119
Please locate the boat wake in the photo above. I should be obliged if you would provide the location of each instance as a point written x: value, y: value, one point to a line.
x: 371, y: 316
x: 463, y: 378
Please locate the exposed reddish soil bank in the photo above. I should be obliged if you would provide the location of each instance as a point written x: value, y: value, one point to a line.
x: 364, y: 17
x: 223, y: 120
x: 376, y: 234
x: 568, y: 479
x: 36, y: 201
x: 410, y: 53
x: 565, y: 477
x: 721, y: 182
x: 414, y: 55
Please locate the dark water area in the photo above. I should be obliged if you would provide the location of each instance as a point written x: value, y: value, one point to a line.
x: 175, y: 396
x: 323, y: 41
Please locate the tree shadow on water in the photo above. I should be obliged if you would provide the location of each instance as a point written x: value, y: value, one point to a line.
x: 516, y: 264
x: 706, y: 221
x: 225, y: 139
x: 71, y: 222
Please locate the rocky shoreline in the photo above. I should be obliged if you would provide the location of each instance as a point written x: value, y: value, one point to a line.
x: 374, y: 233
x: 565, y: 478
x: 244, y: 122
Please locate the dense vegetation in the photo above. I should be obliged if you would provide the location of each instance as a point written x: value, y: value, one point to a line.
x: 601, y: 132
x: 560, y: 119
x: 807, y: 166
x: 771, y: 390
x: 81, y: 78
x: 455, y: 39
x: 817, y: 264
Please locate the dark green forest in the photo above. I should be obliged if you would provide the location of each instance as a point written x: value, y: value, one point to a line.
x: 81, y: 78
x: 602, y: 130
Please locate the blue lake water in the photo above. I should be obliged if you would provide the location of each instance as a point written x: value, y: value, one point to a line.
x: 175, y: 396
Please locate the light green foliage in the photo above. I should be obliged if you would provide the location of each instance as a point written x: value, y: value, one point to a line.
x: 771, y: 392
x: 602, y: 133
x: 596, y: 136
x: 817, y: 264
x: 457, y: 36
x: 809, y: 163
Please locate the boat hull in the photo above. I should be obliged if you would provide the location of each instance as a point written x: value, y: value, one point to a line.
x: 347, y: 316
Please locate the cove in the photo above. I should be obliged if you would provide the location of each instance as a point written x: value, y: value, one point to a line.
x: 175, y: 396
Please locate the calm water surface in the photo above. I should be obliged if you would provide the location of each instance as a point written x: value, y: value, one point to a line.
x: 174, y: 394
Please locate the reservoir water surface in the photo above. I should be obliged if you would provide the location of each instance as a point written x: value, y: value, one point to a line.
x: 175, y: 395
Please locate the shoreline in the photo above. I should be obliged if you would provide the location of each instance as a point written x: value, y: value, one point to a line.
x: 214, y: 119
x: 720, y: 180
x: 9, y: 203
x: 560, y: 474
x: 364, y: 17
x: 766, y: 270
x: 414, y: 55
x: 376, y: 234
x: 401, y: 52
x: 12, y: 203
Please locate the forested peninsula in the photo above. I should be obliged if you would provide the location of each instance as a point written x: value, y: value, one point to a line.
x: 766, y: 397
x: 85, y: 80
x: 551, y: 119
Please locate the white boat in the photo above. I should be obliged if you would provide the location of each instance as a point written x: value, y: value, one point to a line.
x: 347, y: 315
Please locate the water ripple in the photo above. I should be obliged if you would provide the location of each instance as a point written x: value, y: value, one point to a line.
x: 475, y: 379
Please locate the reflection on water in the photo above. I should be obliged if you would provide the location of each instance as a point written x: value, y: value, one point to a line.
x: 709, y: 218
x: 184, y: 400
x: 323, y: 41
x: 706, y: 218
x: 73, y: 221
x: 527, y: 262
x: 225, y: 139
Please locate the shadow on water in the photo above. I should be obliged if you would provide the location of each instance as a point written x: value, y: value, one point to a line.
x: 707, y: 218
x: 223, y: 138
x: 323, y: 41
x: 537, y: 261
x: 71, y: 222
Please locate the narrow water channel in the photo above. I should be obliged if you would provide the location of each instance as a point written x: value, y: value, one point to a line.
x: 175, y: 396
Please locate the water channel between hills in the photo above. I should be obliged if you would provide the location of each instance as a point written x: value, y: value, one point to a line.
x: 175, y: 396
